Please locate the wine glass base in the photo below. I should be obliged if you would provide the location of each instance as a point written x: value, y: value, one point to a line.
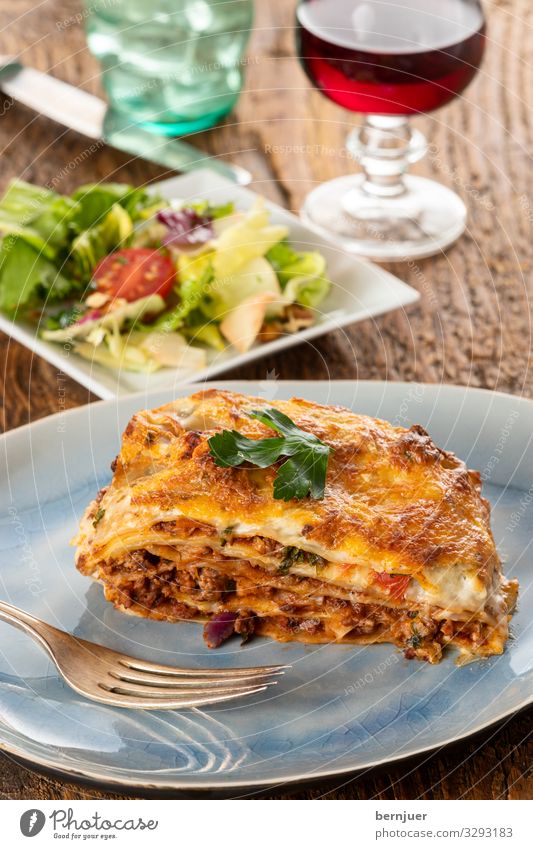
x: 422, y: 221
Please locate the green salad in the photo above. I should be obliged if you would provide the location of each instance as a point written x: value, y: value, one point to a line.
x: 131, y: 282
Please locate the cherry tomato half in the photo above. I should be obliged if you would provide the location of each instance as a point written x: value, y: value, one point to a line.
x: 134, y: 273
x: 395, y: 584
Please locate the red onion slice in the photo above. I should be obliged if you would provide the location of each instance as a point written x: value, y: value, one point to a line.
x: 219, y: 628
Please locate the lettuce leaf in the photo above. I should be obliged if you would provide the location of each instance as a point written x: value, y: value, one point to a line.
x: 27, y: 277
x: 280, y: 256
x: 143, y: 352
x: 94, y: 244
x: 114, y: 320
x: 307, y: 291
x: 301, y: 274
x: 122, y: 356
x: 250, y: 237
x: 37, y: 214
x: 95, y: 200
x: 196, y: 280
x: 207, y: 334
x: 214, y: 211
x: 254, y: 278
x: 52, y: 243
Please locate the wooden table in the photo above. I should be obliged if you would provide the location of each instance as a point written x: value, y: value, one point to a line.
x: 473, y: 325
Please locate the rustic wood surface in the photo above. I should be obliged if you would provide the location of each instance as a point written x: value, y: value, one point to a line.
x: 473, y: 325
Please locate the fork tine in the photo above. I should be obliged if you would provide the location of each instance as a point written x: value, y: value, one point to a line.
x: 168, y: 692
x: 132, y: 676
x: 170, y: 703
x: 151, y: 698
x: 147, y: 666
x: 133, y: 683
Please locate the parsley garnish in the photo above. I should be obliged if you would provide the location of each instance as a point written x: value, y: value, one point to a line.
x: 316, y: 560
x: 226, y: 533
x: 98, y: 516
x: 291, y: 555
x: 302, y: 474
x: 415, y: 641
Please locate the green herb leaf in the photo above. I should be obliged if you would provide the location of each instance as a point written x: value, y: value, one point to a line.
x: 316, y: 560
x: 291, y: 555
x: 279, y: 421
x: 98, y: 516
x: 231, y: 448
x: 415, y: 641
x: 304, y: 471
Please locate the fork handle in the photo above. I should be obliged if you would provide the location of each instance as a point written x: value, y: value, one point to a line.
x: 26, y: 622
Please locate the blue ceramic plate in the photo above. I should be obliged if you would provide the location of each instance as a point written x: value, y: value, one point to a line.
x: 339, y: 709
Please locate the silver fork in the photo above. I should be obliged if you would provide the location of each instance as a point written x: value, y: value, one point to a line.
x: 116, y: 679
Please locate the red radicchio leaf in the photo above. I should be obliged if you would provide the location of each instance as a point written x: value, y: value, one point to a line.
x: 90, y: 316
x: 186, y: 227
x: 219, y: 628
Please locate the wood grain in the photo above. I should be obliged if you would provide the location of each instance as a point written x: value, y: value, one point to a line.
x: 473, y: 325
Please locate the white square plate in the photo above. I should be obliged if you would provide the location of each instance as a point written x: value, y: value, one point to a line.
x: 360, y: 290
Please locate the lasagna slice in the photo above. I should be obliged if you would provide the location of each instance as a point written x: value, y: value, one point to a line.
x: 399, y: 549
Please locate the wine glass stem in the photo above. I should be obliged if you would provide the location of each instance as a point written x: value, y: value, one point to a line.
x: 385, y: 146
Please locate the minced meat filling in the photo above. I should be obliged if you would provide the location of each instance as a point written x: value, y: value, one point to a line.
x: 160, y: 588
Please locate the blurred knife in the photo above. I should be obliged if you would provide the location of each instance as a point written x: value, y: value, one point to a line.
x: 87, y: 114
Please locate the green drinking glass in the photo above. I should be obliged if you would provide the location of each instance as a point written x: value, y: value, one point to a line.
x: 171, y: 66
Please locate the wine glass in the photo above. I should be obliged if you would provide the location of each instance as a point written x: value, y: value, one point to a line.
x: 389, y: 59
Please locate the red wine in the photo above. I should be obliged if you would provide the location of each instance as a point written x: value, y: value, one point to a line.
x: 390, y: 57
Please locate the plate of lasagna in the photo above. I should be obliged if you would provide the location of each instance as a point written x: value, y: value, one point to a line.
x: 375, y: 537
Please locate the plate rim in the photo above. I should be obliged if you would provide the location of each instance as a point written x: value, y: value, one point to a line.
x: 258, y: 783
x: 191, y: 783
x: 197, y: 386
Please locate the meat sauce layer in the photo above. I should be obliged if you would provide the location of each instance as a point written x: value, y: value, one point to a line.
x: 283, y: 607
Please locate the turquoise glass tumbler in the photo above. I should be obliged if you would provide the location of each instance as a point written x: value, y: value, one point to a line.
x: 171, y: 66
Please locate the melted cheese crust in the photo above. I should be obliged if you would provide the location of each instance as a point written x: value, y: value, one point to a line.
x: 394, y: 502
